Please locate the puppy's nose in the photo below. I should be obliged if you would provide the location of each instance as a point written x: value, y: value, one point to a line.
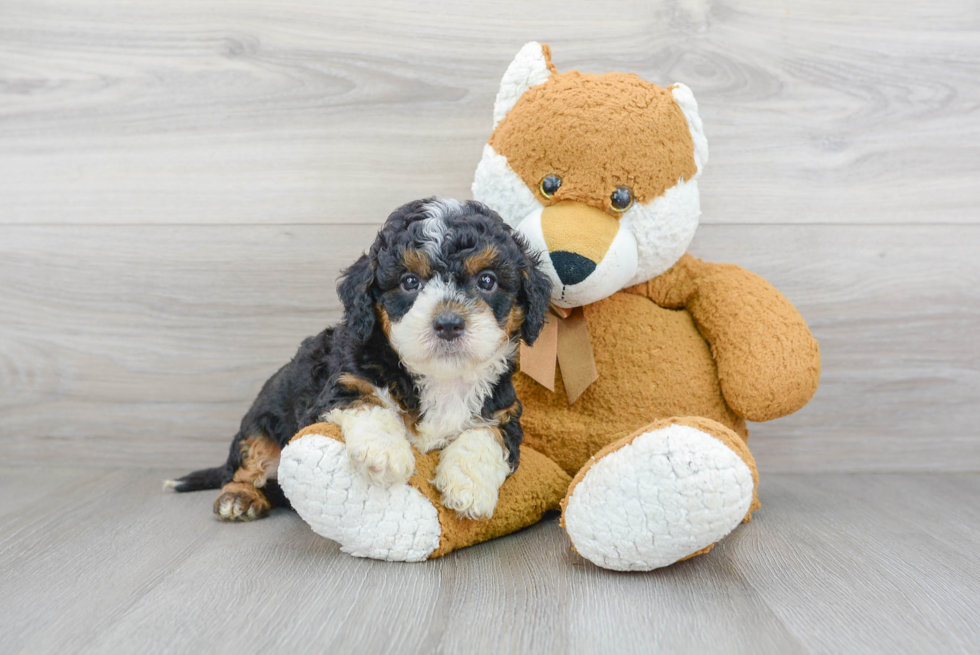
x: 448, y: 325
x: 571, y: 268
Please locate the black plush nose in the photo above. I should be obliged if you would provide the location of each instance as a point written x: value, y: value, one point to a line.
x: 571, y: 268
x: 448, y: 325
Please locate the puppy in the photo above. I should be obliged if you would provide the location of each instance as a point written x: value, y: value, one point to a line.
x: 433, y: 317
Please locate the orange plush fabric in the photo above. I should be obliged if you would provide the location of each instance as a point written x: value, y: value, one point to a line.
x: 652, y: 363
x: 768, y: 362
x: 629, y: 130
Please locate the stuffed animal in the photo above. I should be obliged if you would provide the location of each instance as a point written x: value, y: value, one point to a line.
x: 637, y: 392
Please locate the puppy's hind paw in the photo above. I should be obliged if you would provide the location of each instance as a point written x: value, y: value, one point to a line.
x: 240, y: 501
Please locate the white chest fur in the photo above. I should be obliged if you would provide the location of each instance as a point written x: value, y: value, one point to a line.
x: 449, y: 407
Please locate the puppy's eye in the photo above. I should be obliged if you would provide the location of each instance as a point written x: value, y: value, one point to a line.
x: 411, y: 283
x: 487, y: 281
x: 621, y: 199
x: 550, y: 185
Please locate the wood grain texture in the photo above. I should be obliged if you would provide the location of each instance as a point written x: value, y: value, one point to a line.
x: 209, y: 111
x: 100, y: 561
x: 146, y: 344
x: 181, y: 182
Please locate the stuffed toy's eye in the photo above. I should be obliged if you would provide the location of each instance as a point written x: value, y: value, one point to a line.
x: 621, y: 199
x: 487, y: 281
x: 550, y: 185
x: 411, y: 283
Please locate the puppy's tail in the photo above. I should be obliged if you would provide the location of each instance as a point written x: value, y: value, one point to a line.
x: 199, y: 480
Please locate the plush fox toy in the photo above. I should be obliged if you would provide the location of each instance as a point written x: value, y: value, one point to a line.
x: 637, y: 392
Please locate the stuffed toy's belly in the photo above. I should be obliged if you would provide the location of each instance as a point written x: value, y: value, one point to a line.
x: 652, y: 362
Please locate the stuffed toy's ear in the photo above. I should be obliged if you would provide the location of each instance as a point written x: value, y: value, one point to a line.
x: 685, y: 99
x: 535, y: 293
x: 531, y: 66
x: 354, y: 290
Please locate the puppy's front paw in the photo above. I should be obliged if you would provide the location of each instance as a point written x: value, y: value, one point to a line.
x: 470, y: 472
x: 377, y: 445
x: 467, y: 494
x: 383, y: 458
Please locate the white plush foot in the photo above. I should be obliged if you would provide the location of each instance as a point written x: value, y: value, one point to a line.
x: 657, y: 500
x: 395, y: 523
x: 470, y: 472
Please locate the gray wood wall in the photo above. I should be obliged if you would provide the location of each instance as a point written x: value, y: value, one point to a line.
x: 181, y: 182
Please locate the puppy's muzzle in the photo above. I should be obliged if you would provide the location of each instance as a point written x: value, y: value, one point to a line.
x: 578, y: 237
x: 449, y: 326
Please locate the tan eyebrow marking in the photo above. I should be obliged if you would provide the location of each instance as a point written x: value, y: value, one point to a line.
x: 417, y: 262
x: 483, y: 259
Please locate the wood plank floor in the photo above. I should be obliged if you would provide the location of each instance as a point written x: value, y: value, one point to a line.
x: 102, y: 561
x: 257, y: 112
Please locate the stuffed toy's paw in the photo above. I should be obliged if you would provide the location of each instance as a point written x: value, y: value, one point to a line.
x: 395, y: 523
x: 404, y: 522
x: 667, y: 492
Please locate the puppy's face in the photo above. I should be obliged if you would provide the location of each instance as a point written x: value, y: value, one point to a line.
x: 451, y: 287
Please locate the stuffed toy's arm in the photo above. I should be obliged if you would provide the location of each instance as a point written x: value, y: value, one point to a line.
x: 768, y: 362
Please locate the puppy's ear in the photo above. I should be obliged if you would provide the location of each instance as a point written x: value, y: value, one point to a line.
x: 354, y: 290
x: 535, y: 293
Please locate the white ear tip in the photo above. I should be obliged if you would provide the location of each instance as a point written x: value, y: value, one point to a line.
x: 529, y: 68
x: 685, y: 99
x: 531, y: 48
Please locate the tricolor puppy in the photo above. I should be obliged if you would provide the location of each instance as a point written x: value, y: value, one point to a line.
x: 433, y: 316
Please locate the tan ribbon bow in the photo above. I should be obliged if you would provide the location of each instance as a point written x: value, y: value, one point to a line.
x: 565, y: 341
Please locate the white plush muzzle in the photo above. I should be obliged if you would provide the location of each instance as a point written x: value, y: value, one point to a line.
x: 617, y: 267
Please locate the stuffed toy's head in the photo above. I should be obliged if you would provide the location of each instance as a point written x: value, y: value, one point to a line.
x: 597, y: 171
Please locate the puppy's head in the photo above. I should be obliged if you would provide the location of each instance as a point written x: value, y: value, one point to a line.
x: 450, y: 286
